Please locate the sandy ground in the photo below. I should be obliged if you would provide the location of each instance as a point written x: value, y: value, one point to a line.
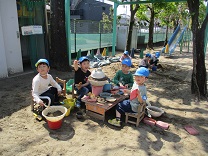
x: 21, y: 134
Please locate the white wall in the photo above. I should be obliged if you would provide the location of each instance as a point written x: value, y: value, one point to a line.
x: 10, y: 28
x: 122, y: 35
x: 3, y: 65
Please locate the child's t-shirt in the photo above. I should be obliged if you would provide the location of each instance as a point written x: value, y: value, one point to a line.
x: 134, y: 102
x: 81, y: 76
x: 41, y: 85
x: 120, y: 77
x: 143, y: 62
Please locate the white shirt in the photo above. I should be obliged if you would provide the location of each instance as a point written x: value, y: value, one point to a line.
x: 41, y: 85
x: 143, y: 92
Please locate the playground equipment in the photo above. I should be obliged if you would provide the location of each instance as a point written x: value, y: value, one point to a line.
x: 175, y: 39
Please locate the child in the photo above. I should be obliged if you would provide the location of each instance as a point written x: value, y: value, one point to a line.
x: 40, y: 84
x: 125, y: 55
x: 145, y: 61
x: 82, y: 85
x: 123, y: 77
x: 154, y: 60
x: 131, y: 105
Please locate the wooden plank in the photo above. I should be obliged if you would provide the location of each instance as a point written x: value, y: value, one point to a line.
x: 95, y: 108
x: 95, y: 115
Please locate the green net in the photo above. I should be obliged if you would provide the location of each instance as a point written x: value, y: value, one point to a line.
x: 32, y: 12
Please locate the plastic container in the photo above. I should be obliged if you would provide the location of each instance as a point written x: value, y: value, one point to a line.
x: 107, y: 87
x: 68, y: 110
x: 154, y: 68
x: 149, y: 121
x: 157, y: 54
x: 56, y: 121
x: 96, y: 90
x: 69, y: 103
x: 162, y: 124
x: 54, y: 125
x: 69, y: 85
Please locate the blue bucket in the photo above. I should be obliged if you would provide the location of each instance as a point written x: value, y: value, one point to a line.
x: 107, y: 87
x: 154, y: 68
x: 157, y: 54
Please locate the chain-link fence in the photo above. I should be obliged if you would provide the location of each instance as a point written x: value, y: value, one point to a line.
x: 159, y: 35
x: 88, y: 35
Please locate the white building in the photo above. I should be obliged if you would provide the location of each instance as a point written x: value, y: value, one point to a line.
x: 10, y: 49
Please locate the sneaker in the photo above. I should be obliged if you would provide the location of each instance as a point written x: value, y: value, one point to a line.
x: 115, y: 122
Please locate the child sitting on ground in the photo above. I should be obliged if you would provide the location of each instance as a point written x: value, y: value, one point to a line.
x: 82, y: 85
x: 125, y: 56
x: 131, y: 105
x: 41, y: 82
x: 123, y: 77
x: 145, y: 61
x: 154, y: 60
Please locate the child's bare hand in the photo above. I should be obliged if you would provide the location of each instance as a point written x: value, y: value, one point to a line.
x: 41, y: 103
x: 59, y: 92
x: 79, y: 86
x: 121, y: 85
x: 75, y: 62
x: 126, y: 91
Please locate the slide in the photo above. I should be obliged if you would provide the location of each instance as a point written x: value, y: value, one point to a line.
x: 175, y: 39
x: 174, y: 44
x: 172, y: 37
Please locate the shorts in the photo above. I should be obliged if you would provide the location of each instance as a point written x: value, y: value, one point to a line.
x: 124, y: 107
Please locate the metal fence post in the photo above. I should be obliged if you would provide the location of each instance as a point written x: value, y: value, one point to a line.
x: 79, y: 54
x: 141, y: 53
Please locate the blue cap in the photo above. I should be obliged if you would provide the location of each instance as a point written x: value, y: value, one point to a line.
x: 127, y: 62
x: 42, y: 61
x: 142, y: 71
x: 81, y: 59
x: 148, y: 55
x: 126, y: 52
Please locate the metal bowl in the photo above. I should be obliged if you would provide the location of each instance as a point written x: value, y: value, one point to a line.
x: 154, y: 111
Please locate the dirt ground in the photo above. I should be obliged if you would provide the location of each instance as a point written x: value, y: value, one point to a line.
x: 168, y: 88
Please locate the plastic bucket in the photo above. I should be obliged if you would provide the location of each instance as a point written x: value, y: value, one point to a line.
x: 69, y: 103
x: 154, y: 68
x: 107, y: 87
x: 56, y: 121
x: 68, y: 111
x: 157, y: 54
x: 96, y: 90
x: 54, y: 125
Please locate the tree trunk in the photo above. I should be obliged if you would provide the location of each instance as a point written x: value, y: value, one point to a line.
x: 166, y: 37
x: 151, y: 29
x: 133, y: 12
x: 58, y: 52
x: 199, y: 79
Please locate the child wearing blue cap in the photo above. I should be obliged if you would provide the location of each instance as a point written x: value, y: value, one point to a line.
x: 41, y: 82
x: 145, y: 61
x: 154, y: 59
x: 82, y: 85
x: 123, y: 77
x: 125, y: 56
x: 131, y: 105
